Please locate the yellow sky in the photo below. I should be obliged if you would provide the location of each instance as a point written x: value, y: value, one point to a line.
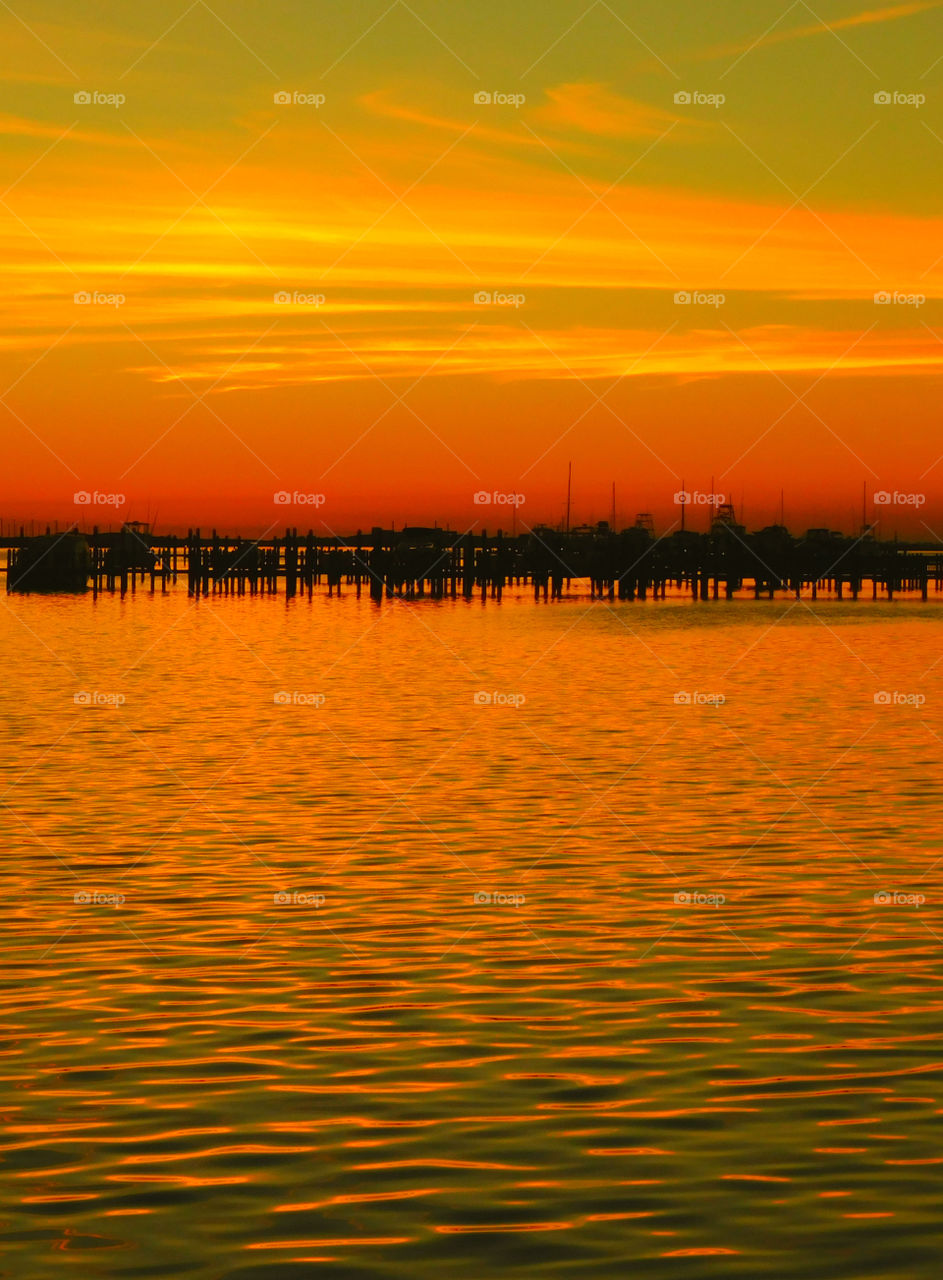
x: 259, y: 280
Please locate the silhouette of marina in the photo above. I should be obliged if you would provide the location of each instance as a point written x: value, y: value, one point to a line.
x: 414, y: 562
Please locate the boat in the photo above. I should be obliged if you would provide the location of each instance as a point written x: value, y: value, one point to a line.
x: 51, y: 562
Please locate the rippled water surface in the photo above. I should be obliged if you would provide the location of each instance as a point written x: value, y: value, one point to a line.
x: 382, y: 978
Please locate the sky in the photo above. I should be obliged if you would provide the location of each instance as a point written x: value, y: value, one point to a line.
x: 342, y: 264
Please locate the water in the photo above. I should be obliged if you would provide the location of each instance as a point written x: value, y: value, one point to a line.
x: 385, y: 1076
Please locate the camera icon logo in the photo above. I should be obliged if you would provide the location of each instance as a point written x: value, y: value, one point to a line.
x: 882, y: 497
x: 682, y: 899
x: 682, y: 299
x: 482, y: 699
x: 882, y: 897
x: 282, y: 699
x: 282, y: 298
x: 682, y: 496
x: 281, y: 98
x: 883, y: 299
x: 83, y: 299
x: 82, y: 498
x: 282, y: 498
x: 480, y: 897
x: 82, y: 699
x: 280, y: 899
x: 882, y: 98
x: 82, y: 98
x: 482, y: 98
x: 682, y: 98
x: 882, y: 699
x: 482, y: 498
x: 482, y: 299
x: 682, y: 698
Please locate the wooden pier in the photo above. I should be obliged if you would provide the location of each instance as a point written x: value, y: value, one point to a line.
x: 412, y: 563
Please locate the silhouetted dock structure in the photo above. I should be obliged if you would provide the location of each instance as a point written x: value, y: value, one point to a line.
x: 415, y: 562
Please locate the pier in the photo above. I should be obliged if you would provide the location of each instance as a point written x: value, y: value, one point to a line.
x: 416, y: 562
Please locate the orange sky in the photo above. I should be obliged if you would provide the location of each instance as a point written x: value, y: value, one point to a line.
x: 384, y: 201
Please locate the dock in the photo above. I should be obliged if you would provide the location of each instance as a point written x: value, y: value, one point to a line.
x: 415, y: 562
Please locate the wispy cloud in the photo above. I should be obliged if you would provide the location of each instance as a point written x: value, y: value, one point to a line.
x: 596, y: 109
x: 779, y: 35
x: 23, y: 127
x: 507, y: 352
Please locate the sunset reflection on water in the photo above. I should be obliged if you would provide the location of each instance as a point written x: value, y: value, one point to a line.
x: 578, y: 979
